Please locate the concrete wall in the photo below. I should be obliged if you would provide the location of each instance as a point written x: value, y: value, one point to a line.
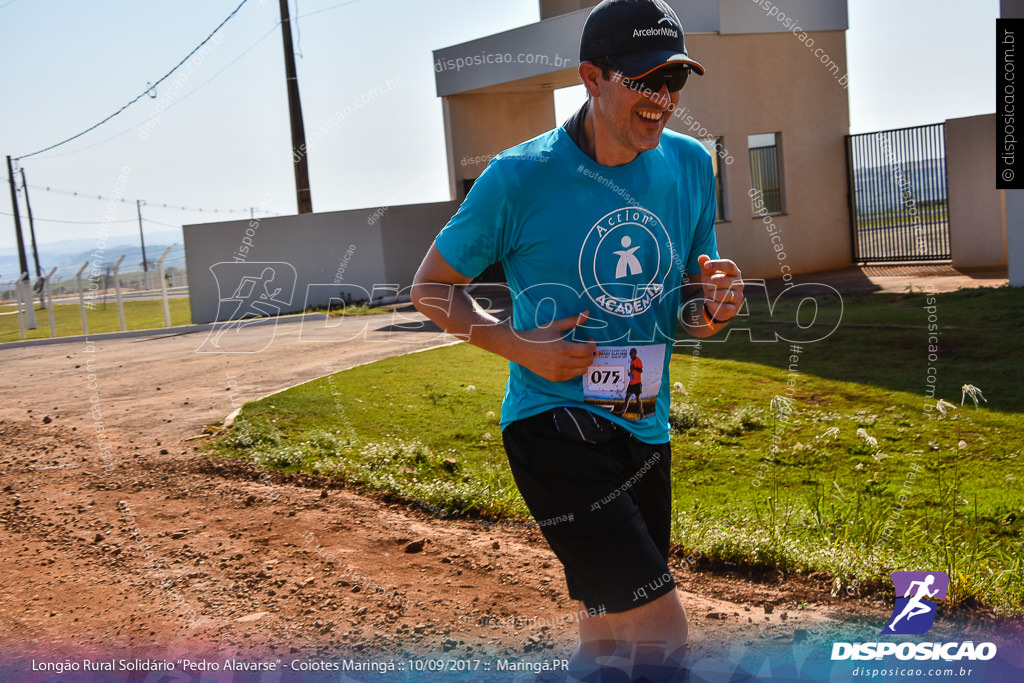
x: 735, y: 16
x: 772, y: 83
x: 481, y: 125
x: 554, y: 8
x: 337, y: 248
x: 520, y: 53
x: 778, y: 16
x: 977, y: 216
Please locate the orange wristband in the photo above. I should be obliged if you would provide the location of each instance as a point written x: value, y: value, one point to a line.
x: 714, y: 324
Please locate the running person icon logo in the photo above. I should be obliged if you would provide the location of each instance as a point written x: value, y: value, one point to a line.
x: 628, y: 264
x: 913, y: 612
x: 250, y: 293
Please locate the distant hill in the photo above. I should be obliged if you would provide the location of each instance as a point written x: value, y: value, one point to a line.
x: 69, y: 255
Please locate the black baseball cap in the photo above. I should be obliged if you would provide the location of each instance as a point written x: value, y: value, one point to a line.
x: 635, y: 37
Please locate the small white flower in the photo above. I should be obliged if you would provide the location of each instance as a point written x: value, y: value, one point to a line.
x: 962, y: 444
x: 880, y: 456
x: 870, y: 440
x: 470, y: 387
x: 487, y: 436
x: 679, y: 388
x: 782, y: 405
x: 859, y: 466
x: 972, y: 391
x: 829, y: 433
x: 490, y: 414
x: 942, y: 405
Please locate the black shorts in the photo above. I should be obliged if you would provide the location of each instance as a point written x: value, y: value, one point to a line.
x: 634, y: 389
x: 603, y: 501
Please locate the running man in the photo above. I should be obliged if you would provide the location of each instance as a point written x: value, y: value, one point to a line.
x: 915, y: 605
x: 609, y: 173
x: 251, y: 302
x: 636, y: 369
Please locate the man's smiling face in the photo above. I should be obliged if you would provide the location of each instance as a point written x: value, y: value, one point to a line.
x: 629, y: 117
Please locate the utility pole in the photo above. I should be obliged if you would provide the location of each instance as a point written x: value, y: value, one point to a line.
x: 30, y: 312
x: 299, y: 151
x: 142, y: 238
x: 31, y: 224
x: 17, y: 219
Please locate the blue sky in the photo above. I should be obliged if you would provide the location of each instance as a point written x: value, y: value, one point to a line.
x: 223, y: 140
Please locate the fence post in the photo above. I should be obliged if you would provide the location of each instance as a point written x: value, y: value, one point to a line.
x: 117, y: 291
x: 30, y: 306
x: 81, y: 297
x: 18, y: 303
x: 163, y: 285
x: 48, y: 301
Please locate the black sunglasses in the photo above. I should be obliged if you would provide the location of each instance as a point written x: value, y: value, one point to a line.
x: 673, y: 77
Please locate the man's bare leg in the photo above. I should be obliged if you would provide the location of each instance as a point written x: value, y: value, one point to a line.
x: 650, y: 635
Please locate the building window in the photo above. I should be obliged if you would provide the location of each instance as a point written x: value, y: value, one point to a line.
x: 717, y: 148
x: 765, y: 173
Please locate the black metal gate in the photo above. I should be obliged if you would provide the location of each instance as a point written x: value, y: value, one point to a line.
x: 899, y: 208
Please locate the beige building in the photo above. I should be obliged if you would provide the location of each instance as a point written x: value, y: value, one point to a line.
x: 773, y: 103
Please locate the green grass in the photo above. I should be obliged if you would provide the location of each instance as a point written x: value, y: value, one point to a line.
x: 926, y: 214
x: 759, y: 482
x: 882, y: 340
x: 138, y: 315
x: 349, y: 309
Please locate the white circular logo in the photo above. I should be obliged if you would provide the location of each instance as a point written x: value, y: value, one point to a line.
x: 624, y: 261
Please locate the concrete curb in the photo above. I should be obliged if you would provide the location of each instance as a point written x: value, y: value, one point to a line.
x: 230, y: 419
x: 133, y: 334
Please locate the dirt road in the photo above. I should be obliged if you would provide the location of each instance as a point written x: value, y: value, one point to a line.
x: 120, y: 539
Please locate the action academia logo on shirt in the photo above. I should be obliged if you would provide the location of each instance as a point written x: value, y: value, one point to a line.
x: 624, y: 261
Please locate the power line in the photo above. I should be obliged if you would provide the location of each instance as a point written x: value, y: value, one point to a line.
x: 54, y: 220
x: 144, y: 93
x: 325, y: 9
x: 171, y: 106
x: 103, y: 222
x: 166, y: 225
x: 146, y: 202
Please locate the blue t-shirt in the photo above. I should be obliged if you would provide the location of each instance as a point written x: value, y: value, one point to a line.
x: 576, y: 236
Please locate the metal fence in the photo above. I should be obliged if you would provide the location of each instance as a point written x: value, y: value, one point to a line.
x: 99, y: 286
x: 899, y: 208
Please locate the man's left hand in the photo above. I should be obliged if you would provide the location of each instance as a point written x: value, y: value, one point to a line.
x: 723, y: 287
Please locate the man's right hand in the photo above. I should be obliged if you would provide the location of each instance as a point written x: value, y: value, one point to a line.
x: 438, y: 292
x: 546, y: 352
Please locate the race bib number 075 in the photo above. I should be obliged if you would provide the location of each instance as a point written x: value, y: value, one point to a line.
x: 601, y: 378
